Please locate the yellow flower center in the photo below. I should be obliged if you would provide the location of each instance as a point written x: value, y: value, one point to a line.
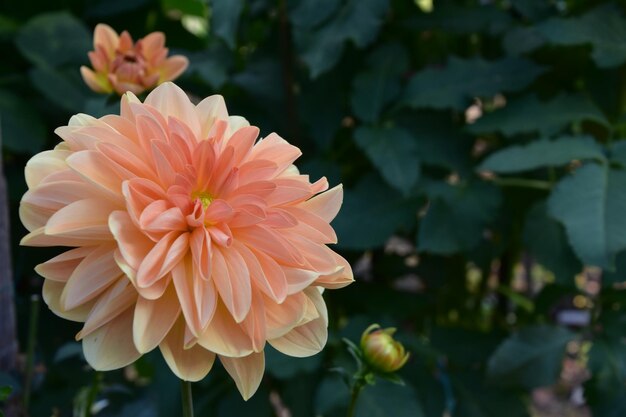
x: 205, y: 198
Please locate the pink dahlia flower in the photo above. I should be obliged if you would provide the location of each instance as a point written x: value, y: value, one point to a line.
x: 120, y: 65
x: 187, y: 234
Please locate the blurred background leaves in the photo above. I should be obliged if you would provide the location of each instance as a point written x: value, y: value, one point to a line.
x: 480, y: 144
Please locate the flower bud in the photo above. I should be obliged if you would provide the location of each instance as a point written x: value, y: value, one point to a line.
x: 381, y: 351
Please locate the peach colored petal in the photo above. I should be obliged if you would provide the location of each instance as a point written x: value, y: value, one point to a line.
x: 231, y: 277
x: 107, y: 38
x: 191, y: 364
x: 97, y: 83
x: 172, y: 67
x: 210, y: 110
x: 113, y: 302
x: 61, y: 267
x: 152, y: 44
x: 184, y: 279
x: 153, y: 319
x: 171, y: 100
x: 281, y: 318
x: 44, y: 164
x: 224, y: 336
x: 51, y: 293
x: 309, y: 338
x: 83, y: 219
x: 93, y: 275
x: 111, y: 346
x: 247, y: 372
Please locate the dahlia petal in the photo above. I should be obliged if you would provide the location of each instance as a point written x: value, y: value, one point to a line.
x: 225, y: 337
x: 125, y: 164
x: 91, y: 277
x: 200, y: 245
x: 152, y: 43
x: 299, y: 279
x: 149, y: 128
x: 153, y: 319
x: 51, y: 293
x: 218, y: 211
x: 312, y: 226
x: 170, y: 219
x: 134, y: 246
x: 309, y: 338
x: 126, y: 41
x: 206, y: 299
x: 235, y: 123
x: 272, y: 244
x: 247, y: 372
x: 256, y: 170
x: 276, y: 149
x: 84, y: 219
x: 38, y: 237
x: 254, y: 323
x: 164, y: 169
x: 139, y: 193
x: 61, y: 267
x: 283, y: 317
x: 190, y: 364
x: 107, y: 38
x: 44, y: 164
x: 94, y: 167
x: 171, y: 100
x: 172, y: 67
x: 266, y: 274
x: 318, y: 257
x: 184, y: 279
x: 221, y: 234
x: 232, y: 280
x: 339, y: 279
x: 209, y: 110
x: 288, y: 191
x: 96, y: 83
x: 113, y: 302
x: 33, y: 217
x: 111, y: 346
x: 325, y: 205
x: 162, y: 258
x: 242, y: 141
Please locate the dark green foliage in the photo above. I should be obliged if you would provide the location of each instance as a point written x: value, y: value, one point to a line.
x: 474, y: 143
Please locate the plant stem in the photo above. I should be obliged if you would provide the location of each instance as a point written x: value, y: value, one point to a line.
x: 523, y: 182
x: 185, y: 390
x: 356, y: 390
x: 32, y: 340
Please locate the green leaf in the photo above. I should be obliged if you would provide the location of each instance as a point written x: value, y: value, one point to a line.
x: 548, y: 117
x: 5, y: 391
x: 475, y: 398
x: 604, y: 28
x: 310, y: 13
x: 604, y: 392
x: 371, y: 213
x: 542, y: 153
x: 521, y: 40
x: 356, y: 20
x: 449, y: 17
x: 591, y: 203
x: 618, y: 153
x: 394, y: 152
x: 373, y: 89
x: 321, y: 105
x: 21, y: 127
x: 225, y: 19
x: 386, y: 399
x: 332, y: 394
x: 179, y: 8
x: 60, y: 88
x: 530, y: 358
x: 457, y: 217
x: 53, y: 39
x: 545, y: 239
x: 212, y: 65
x: 460, y: 80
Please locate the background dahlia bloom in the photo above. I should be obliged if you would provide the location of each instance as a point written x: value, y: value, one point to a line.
x: 120, y: 65
x: 187, y: 234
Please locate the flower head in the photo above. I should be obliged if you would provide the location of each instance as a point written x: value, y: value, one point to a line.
x: 120, y: 65
x: 381, y: 351
x: 187, y: 234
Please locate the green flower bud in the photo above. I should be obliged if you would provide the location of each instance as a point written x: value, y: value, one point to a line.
x: 381, y: 351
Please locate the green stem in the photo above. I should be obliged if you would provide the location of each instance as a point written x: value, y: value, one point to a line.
x: 523, y: 182
x: 356, y: 390
x: 185, y: 389
x: 32, y: 341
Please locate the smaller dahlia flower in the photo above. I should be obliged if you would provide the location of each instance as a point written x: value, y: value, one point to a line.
x: 120, y: 65
x: 184, y: 233
x: 381, y: 351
